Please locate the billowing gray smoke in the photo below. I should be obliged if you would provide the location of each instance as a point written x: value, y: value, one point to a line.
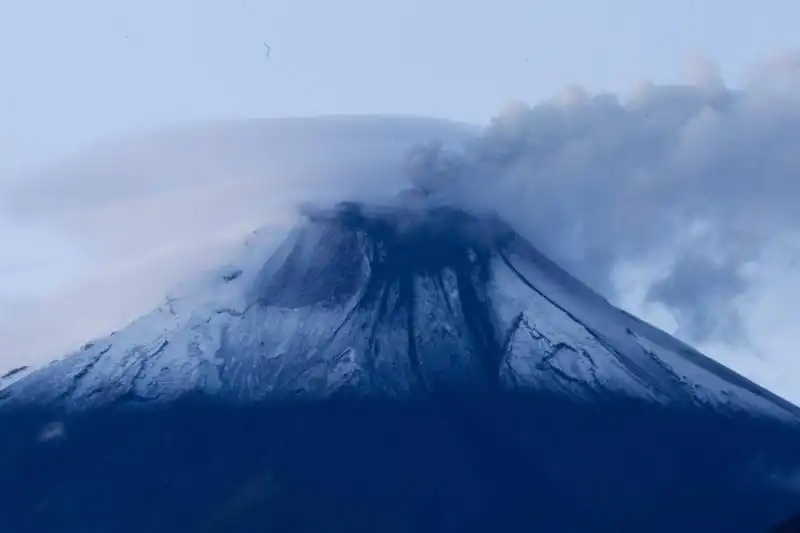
x: 695, y: 184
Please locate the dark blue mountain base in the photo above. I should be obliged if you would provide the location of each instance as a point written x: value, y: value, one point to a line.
x: 482, y: 463
x: 791, y: 525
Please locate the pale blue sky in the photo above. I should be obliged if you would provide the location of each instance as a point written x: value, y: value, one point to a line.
x: 78, y: 71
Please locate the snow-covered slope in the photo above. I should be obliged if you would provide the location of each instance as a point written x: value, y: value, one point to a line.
x: 397, y: 301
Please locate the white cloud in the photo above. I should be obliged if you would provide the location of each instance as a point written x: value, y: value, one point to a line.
x: 145, y: 212
x: 680, y: 202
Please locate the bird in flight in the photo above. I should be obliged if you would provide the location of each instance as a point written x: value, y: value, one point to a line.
x: 268, y: 47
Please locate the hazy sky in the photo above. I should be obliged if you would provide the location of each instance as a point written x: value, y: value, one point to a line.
x: 88, y: 71
x: 74, y: 72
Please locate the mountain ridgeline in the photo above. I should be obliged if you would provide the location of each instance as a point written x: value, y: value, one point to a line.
x: 411, y: 367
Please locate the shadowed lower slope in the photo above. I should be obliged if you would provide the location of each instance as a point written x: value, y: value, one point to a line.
x: 471, y: 463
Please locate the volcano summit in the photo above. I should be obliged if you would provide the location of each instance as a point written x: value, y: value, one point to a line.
x: 398, y: 301
x: 412, y: 367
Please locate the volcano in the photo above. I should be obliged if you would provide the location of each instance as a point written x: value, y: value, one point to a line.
x: 407, y: 367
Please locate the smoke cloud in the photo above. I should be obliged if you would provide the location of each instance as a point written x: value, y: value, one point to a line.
x: 677, y: 202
